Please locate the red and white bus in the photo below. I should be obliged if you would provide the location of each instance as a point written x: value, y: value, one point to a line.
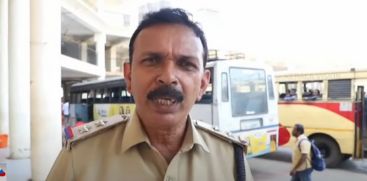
x: 331, y: 107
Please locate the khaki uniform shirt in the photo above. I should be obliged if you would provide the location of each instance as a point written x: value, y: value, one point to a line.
x: 298, y: 150
x: 124, y: 152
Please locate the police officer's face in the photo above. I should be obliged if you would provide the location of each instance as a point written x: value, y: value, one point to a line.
x: 166, y: 76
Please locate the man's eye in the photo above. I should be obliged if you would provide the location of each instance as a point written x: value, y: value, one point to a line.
x: 151, y: 60
x: 188, y: 65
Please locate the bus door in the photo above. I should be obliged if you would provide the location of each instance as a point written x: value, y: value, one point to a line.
x: 364, y: 128
x: 222, y: 102
x: 215, y: 107
x: 361, y: 124
x: 79, y: 107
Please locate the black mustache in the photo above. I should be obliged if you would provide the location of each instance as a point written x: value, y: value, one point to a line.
x: 166, y: 91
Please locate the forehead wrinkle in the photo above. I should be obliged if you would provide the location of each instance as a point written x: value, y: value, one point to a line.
x: 169, y: 56
x: 149, y: 53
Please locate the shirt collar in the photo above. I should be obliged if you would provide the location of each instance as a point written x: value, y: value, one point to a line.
x: 134, y: 134
x: 192, y: 138
x: 300, y: 137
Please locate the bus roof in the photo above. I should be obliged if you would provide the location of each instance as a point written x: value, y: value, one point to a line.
x: 95, y: 84
x: 318, y: 71
x: 320, y: 75
x: 240, y: 63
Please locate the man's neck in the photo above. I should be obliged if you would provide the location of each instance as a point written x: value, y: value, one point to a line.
x: 167, y: 141
x: 298, y: 137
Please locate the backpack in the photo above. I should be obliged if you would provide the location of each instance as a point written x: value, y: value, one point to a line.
x: 317, y: 160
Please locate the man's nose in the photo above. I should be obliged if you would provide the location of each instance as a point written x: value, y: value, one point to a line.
x: 168, y: 74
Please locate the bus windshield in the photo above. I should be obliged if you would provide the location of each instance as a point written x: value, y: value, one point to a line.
x: 248, y: 91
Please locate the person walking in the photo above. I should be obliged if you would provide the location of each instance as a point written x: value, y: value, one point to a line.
x: 301, y: 164
x: 65, y: 113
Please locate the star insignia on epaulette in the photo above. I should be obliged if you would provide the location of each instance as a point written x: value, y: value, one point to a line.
x: 87, y: 130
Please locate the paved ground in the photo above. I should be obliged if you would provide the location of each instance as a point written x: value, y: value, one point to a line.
x: 275, y: 167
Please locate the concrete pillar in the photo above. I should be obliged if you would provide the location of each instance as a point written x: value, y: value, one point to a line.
x: 100, y: 39
x: 325, y: 90
x: 113, y: 60
x: 19, y: 79
x: 108, y: 59
x: 84, y: 53
x: 4, y: 83
x: 299, y: 90
x: 46, y: 128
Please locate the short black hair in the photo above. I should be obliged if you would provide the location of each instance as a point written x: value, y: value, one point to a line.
x: 299, y: 128
x: 169, y: 16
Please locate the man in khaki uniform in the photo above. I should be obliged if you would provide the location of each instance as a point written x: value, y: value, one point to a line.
x: 166, y: 76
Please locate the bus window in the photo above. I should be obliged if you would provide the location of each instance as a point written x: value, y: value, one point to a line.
x: 248, y: 91
x: 225, y: 95
x: 126, y: 96
x: 91, y: 95
x: 99, y: 94
x: 287, y: 91
x: 106, y: 96
x: 271, y: 88
x: 312, y: 90
x: 115, y: 94
x: 84, y: 97
x: 339, y: 89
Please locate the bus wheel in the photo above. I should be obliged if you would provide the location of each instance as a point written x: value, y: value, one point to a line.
x: 330, y: 150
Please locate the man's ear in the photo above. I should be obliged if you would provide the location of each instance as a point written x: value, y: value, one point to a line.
x: 127, y: 76
x: 205, y: 80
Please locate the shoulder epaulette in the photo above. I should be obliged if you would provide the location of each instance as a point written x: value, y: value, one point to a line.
x: 226, y: 136
x: 87, y: 130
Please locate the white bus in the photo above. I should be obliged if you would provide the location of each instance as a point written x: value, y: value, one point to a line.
x: 240, y: 100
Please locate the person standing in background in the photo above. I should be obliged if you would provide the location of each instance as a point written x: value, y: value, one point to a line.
x: 65, y: 112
